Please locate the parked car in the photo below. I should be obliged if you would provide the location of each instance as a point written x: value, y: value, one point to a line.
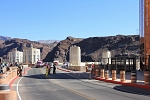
x: 39, y: 64
x: 56, y: 62
x: 65, y: 65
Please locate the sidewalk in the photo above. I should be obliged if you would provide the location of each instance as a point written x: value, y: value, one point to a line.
x: 127, y: 82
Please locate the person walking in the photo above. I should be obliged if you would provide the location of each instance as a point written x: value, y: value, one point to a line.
x: 20, y: 70
x: 141, y: 66
x: 92, y: 66
x: 46, y: 70
x: 54, y: 68
x: 49, y: 68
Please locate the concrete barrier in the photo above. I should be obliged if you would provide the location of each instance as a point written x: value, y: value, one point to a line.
x: 2, y: 78
x: 7, y: 76
x: 8, y: 95
x: 5, y: 93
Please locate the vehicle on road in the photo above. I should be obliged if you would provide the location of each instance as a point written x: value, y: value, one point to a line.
x: 56, y: 62
x: 39, y: 64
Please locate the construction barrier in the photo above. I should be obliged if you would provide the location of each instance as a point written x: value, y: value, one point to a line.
x: 106, y: 74
x: 97, y: 73
x: 122, y: 76
x: 147, y: 77
x: 113, y: 74
x: 133, y: 77
x: 102, y: 73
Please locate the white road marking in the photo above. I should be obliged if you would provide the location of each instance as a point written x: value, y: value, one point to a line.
x: 18, y: 90
x: 18, y: 87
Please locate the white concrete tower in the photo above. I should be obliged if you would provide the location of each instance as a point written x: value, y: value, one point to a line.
x: 75, y: 56
x: 105, y: 56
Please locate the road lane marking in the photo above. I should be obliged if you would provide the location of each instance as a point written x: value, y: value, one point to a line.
x: 73, y: 91
x: 18, y: 86
x: 78, y: 93
x: 18, y: 90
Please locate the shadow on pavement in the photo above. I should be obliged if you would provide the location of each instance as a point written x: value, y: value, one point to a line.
x: 62, y: 76
x: 133, y: 90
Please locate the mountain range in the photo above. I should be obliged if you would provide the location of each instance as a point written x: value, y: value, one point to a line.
x: 91, y: 48
x: 48, y: 41
x: 4, y: 38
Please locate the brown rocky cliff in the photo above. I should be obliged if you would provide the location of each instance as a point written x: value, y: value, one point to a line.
x: 92, y: 48
x: 60, y: 52
x: 20, y: 44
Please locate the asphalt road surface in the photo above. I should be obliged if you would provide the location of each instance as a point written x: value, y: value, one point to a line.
x: 64, y: 86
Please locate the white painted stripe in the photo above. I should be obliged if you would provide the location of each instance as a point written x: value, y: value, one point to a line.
x: 18, y: 87
x: 18, y: 90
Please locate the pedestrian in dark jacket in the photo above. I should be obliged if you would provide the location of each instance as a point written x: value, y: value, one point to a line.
x: 54, y: 68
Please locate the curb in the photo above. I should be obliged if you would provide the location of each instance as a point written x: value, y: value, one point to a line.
x: 25, y: 72
x: 116, y: 82
x: 123, y: 83
x: 63, y: 69
x: 10, y: 83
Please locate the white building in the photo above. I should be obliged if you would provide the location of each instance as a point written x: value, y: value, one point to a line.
x: 15, y: 56
x: 31, y: 55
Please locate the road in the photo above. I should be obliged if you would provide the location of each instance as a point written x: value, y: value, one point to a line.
x: 62, y: 86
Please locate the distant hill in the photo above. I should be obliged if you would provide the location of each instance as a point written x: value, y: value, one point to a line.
x: 48, y: 41
x: 4, y: 38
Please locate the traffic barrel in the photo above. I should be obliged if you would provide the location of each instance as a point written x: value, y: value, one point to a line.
x: 133, y: 77
x: 147, y: 77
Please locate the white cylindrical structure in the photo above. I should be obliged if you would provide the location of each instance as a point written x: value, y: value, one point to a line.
x: 105, y: 56
x: 75, y: 55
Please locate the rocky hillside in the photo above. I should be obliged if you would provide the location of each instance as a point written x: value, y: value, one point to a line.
x: 20, y: 44
x: 92, y: 48
x: 60, y: 51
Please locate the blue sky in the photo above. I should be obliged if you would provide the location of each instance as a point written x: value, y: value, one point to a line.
x: 57, y: 19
